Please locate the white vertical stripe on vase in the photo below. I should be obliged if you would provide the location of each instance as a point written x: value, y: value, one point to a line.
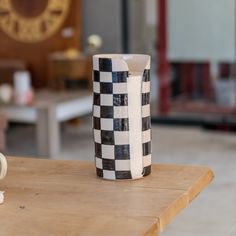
x: 134, y: 84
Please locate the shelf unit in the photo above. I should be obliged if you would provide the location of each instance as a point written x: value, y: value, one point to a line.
x: 183, y: 109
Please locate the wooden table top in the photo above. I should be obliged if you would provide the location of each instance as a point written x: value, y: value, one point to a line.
x: 47, y: 97
x: 51, y: 197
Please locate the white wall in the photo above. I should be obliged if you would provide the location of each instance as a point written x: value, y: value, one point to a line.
x: 201, y: 30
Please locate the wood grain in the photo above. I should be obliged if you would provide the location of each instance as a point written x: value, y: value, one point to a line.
x: 51, y: 197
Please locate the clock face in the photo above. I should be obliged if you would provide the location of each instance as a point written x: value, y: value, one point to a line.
x: 30, y: 28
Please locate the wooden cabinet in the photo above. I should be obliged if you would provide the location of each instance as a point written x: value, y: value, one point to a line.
x: 62, y: 69
x: 8, y: 67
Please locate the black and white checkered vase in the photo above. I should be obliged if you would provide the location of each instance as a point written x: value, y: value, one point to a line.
x: 111, y: 116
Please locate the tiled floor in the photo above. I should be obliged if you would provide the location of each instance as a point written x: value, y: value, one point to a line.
x: 213, y: 213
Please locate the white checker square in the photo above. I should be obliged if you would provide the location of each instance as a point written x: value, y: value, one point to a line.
x: 146, y: 111
x: 96, y: 87
x: 119, y: 65
x: 122, y: 165
x: 96, y: 111
x: 146, y: 87
x: 106, y: 77
x: 148, y: 65
x: 147, y: 160
x: 108, y: 152
x: 95, y: 63
x: 121, y: 137
x: 106, y: 124
x: 99, y: 163
x: 120, y: 88
x: 146, y: 136
x: 97, y: 135
x: 120, y: 111
x: 109, y: 174
x: 106, y: 100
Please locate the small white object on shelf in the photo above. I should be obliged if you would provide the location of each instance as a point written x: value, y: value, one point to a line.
x: 23, y: 92
x: 225, y: 91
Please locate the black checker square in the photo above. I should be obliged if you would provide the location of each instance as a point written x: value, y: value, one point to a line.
x: 122, y: 152
x: 99, y: 172
x: 96, y: 123
x: 108, y: 164
x: 147, y: 148
x: 120, y: 76
x: 98, y: 150
x: 120, y: 99
x: 123, y: 175
x: 107, y: 137
x: 146, y: 75
x: 121, y: 124
x: 96, y: 76
x: 96, y: 99
x: 147, y: 170
x: 106, y: 88
x: 146, y: 123
x: 105, y: 64
x: 107, y: 111
x: 145, y: 99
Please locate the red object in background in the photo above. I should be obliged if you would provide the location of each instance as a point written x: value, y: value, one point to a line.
x: 187, y: 71
x: 206, y: 81
x: 163, y: 68
x: 190, y: 79
x: 225, y: 70
x: 187, y: 78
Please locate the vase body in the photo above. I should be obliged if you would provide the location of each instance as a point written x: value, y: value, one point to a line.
x: 121, y: 116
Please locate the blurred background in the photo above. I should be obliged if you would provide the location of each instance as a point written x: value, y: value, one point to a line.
x: 46, y: 86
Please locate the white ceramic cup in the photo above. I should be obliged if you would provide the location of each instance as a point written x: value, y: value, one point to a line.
x: 3, y: 166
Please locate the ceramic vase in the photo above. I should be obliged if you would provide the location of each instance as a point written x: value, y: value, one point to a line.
x: 121, y: 116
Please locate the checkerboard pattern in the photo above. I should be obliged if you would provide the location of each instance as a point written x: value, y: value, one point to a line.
x: 146, y: 122
x: 111, y: 120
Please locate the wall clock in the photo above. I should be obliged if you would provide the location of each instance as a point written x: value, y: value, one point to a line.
x: 32, y: 21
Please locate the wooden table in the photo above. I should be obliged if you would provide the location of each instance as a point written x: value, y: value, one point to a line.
x: 47, y: 112
x: 49, y: 197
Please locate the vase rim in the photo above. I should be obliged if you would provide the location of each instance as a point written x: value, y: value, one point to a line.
x: 127, y: 62
x: 119, y: 55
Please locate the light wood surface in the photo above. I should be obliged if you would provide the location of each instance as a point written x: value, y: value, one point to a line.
x: 49, y: 197
x: 45, y: 98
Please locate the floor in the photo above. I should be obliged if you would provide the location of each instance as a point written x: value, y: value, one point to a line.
x: 213, y: 213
